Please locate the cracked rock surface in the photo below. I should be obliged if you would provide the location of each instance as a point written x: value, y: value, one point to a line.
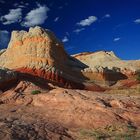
x: 62, y: 113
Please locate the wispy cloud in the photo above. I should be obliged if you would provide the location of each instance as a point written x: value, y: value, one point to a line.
x: 116, y: 39
x: 88, y: 21
x: 65, y: 39
x: 20, y: 5
x: 36, y: 16
x: 56, y: 19
x: 4, y: 38
x: 137, y: 21
x: 107, y: 16
x: 14, y: 15
x: 78, y: 30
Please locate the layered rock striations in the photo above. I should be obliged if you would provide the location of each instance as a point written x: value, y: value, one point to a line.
x: 39, y: 54
x: 106, y: 66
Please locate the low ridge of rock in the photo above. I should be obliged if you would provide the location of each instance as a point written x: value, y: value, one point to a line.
x: 106, y: 66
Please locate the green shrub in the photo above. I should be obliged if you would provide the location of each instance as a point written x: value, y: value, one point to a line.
x: 34, y: 92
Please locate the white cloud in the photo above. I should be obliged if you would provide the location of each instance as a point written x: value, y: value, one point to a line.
x: 36, y: 16
x: 88, y: 21
x: 14, y: 15
x: 65, y: 39
x: 4, y: 31
x: 107, y: 16
x: 56, y: 19
x: 116, y: 39
x: 21, y: 5
x: 137, y: 21
x: 4, y: 38
x: 78, y: 30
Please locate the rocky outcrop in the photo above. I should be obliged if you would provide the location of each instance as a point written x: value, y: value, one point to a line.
x: 69, y: 108
x: 38, y: 54
x: 37, y: 48
x: 106, y: 66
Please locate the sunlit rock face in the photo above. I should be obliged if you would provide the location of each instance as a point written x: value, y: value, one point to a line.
x: 106, y: 66
x: 39, y: 53
x: 37, y: 48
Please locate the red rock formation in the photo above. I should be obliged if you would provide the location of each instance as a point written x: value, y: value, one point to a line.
x: 56, y: 79
x: 50, y: 77
x: 38, y: 53
x: 106, y: 66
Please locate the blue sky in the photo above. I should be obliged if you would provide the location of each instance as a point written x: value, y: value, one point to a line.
x: 83, y: 25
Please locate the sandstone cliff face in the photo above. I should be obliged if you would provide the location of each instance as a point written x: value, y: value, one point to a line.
x: 107, y: 66
x: 40, y: 54
x: 108, y: 60
x: 37, y: 48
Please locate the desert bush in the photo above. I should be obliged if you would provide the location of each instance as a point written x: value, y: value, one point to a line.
x: 34, y: 92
